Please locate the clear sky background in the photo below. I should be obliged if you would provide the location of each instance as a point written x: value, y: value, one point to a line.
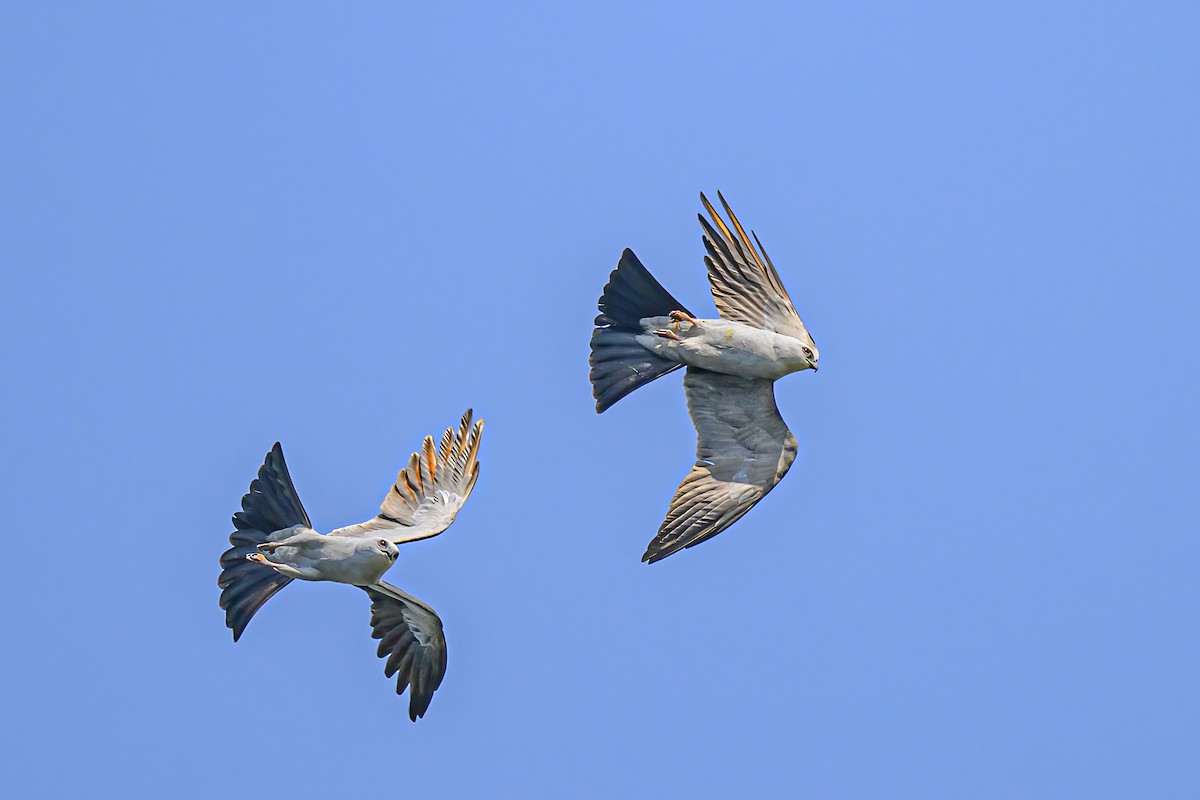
x: 340, y: 226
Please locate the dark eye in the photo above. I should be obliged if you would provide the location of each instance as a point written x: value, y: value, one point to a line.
x: 383, y: 543
x: 807, y: 353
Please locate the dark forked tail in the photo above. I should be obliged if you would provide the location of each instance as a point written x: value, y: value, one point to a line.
x: 619, y: 363
x: 271, y: 505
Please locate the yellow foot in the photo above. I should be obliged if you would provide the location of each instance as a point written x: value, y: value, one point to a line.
x: 667, y: 333
x: 259, y: 558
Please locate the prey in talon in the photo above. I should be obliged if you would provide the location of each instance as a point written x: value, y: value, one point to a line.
x: 682, y: 316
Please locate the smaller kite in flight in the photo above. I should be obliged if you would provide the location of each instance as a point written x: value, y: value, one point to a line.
x: 274, y: 543
x: 743, y: 446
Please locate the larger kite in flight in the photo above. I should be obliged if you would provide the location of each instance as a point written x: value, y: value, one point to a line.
x: 743, y: 446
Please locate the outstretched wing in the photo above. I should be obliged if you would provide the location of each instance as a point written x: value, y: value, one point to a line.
x: 429, y: 492
x: 746, y: 286
x: 411, y: 639
x: 743, y: 448
x: 271, y: 505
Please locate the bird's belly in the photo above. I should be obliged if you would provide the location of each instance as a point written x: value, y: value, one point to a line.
x: 354, y: 570
x: 729, y: 347
x: 333, y: 558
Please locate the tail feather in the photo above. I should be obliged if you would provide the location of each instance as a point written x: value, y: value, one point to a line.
x: 619, y: 364
x: 271, y: 505
x: 632, y: 294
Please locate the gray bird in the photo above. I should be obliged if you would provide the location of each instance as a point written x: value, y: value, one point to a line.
x: 274, y: 543
x: 743, y: 446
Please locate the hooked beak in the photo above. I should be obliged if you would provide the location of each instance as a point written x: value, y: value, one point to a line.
x: 814, y: 366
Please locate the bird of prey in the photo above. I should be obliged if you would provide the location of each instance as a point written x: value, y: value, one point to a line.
x: 743, y: 446
x: 273, y: 543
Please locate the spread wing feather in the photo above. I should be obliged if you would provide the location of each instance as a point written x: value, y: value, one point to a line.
x: 430, y: 491
x: 745, y: 285
x: 743, y: 449
x: 412, y: 640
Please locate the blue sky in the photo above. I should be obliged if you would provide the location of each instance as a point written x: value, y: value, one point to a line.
x: 341, y: 226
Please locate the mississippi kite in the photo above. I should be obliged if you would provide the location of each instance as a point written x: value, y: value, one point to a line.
x: 274, y: 543
x: 743, y: 446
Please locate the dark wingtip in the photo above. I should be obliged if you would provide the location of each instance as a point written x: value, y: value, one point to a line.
x: 656, y: 551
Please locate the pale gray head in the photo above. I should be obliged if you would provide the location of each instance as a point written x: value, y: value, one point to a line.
x: 811, y: 355
x: 381, y: 547
x: 798, y: 354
